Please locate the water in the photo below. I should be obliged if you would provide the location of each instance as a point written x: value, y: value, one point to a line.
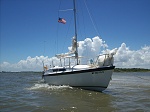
x: 26, y: 92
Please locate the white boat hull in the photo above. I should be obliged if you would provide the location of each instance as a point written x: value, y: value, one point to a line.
x: 93, y: 79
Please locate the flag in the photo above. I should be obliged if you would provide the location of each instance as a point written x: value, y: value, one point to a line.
x: 62, y: 20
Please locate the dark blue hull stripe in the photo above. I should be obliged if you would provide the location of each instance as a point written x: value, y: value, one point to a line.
x: 89, y: 86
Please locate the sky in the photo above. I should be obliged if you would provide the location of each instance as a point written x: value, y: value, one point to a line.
x: 30, y: 32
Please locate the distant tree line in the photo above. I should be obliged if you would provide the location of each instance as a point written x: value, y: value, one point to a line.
x: 115, y: 70
x: 131, y: 70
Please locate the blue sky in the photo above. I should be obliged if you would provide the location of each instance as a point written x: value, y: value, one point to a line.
x: 30, y: 27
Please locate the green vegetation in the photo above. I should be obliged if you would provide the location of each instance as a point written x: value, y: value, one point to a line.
x: 115, y: 70
x: 131, y: 70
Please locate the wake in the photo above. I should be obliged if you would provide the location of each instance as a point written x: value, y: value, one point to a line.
x: 41, y: 85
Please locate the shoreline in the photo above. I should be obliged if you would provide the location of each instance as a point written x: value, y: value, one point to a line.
x: 115, y: 70
x: 131, y: 70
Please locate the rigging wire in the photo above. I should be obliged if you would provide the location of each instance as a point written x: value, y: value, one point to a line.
x: 66, y: 10
x: 83, y: 21
x: 91, y: 18
x: 67, y: 33
x: 67, y: 30
x: 56, y: 40
x: 82, y: 34
x: 94, y: 25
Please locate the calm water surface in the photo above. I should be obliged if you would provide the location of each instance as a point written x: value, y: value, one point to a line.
x: 26, y: 92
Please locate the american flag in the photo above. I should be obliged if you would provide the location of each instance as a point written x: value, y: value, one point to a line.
x: 62, y: 20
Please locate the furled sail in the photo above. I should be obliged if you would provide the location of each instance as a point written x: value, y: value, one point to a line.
x: 71, y: 52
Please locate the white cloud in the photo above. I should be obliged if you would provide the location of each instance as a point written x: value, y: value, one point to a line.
x: 88, y: 48
x: 131, y: 58
x: 30, y: 64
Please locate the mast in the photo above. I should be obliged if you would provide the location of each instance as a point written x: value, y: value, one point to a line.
x: 76, y: 52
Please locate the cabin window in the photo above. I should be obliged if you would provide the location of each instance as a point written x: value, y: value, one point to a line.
x: 59, y: 69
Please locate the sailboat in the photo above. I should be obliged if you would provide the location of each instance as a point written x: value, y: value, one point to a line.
x: 95, y: 75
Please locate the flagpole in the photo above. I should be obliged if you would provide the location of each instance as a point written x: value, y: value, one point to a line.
x: 76, y: 52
